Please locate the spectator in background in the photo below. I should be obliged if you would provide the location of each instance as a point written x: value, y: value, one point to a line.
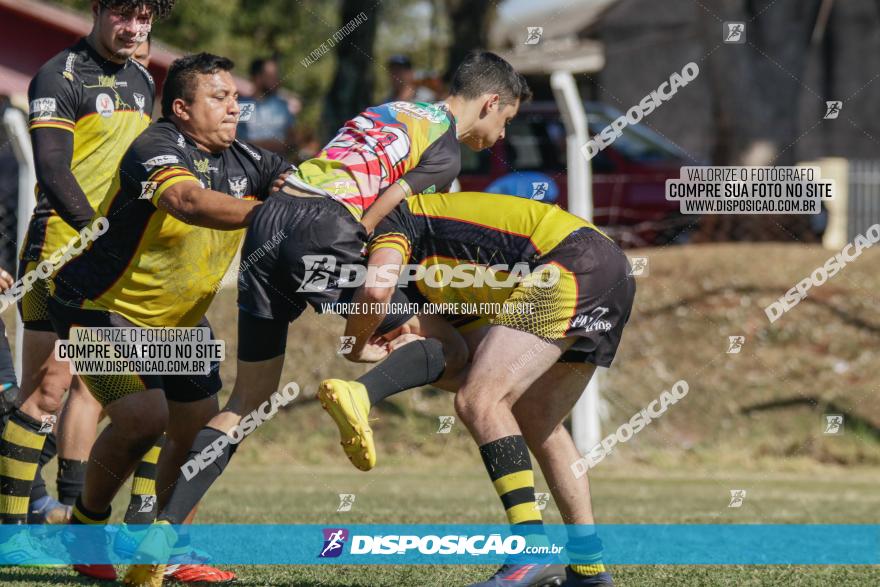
x: 403, y: 82
x: 270, y: 124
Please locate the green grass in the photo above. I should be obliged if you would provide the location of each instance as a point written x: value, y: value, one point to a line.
x: 726, y: 434
x: 443, y: 491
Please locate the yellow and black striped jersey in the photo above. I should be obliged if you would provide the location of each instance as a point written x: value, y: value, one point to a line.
x: 150, y: 267
x: 478, y: 229
x: 106, y: 106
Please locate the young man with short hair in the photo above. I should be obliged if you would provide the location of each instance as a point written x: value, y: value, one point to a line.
x: 87, y: 104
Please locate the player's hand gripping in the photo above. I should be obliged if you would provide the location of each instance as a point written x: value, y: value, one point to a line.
x: 374, y: 350
x: 279, y: 181
x: 6, y: 280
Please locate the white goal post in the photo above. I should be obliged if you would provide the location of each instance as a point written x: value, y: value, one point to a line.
x: 15, y: 124
x: 585, y: 421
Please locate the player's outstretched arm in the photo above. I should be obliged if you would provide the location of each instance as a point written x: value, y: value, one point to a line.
x: 190, y: 203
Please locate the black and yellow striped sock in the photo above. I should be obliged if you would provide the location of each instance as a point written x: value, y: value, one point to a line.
x: 87, y: 547
x: 142, y: 508
x: 81, y: 515
x: 510, y: 469
x: 20, y: 450
x: 585, y: 554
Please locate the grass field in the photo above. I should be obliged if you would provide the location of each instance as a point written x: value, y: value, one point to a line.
x: 752, y: 420
x: 290, y: 493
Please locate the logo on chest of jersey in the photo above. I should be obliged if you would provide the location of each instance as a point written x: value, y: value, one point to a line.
x: 141, y: 101
x: 202, y: 165
x: 238, y: 186
x: 109, y: 81
x: 104, y: 105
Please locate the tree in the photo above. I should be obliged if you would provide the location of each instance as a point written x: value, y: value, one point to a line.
x: 470, y: 29
x: 352, y: 87
x: 247, y: 29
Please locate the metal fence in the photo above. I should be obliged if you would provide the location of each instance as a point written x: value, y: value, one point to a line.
x: 8, y: 202
x: 863, y: 209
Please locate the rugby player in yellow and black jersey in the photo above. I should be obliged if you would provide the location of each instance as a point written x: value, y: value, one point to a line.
x: 87, y: 104
x: 183, y: 194
x: 549, y: 295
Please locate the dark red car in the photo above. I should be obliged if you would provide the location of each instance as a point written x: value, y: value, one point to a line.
x: 628, y: 176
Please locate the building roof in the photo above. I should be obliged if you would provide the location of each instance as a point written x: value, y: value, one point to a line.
x: 562, y: 45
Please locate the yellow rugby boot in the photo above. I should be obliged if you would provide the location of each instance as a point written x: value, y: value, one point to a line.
x: 348, y: 404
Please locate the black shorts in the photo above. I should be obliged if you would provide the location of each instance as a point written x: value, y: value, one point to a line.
x: 292, y: 258
x: 315, y: 237
x: 591, y: 300
x: 604, y: 295
x: 109, y: 388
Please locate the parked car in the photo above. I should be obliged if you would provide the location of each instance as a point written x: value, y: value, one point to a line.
x: 628, y: 176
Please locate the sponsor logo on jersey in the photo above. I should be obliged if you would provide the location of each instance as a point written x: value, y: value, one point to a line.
x: 141, y: 101
x: 432, y: 114
x: 160, y: 160
x: 250, y: 151
x: 43, y: 107
x: 68, y: 66
x: 104, y: 105
x: 143, y: 70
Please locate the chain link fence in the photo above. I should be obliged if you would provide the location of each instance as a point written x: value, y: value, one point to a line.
x: 8, y: 200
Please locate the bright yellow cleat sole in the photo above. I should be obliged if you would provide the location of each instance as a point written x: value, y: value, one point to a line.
x: 145, y: 575
x: 342, y: 401
x: 152, y: 555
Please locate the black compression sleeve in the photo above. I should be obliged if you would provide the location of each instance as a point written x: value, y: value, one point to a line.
x: 53, y: 152
x: 415, y: 364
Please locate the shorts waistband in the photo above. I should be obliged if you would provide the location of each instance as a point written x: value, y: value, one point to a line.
x: 289, y: 190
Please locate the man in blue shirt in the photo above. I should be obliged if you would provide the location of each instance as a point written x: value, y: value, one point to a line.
x: 270, y: 123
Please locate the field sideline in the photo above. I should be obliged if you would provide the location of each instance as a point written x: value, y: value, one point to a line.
x: 289, y: 493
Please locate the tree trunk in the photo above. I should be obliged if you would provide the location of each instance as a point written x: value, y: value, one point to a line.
x: 470, y: 29
x: 352, y: 88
